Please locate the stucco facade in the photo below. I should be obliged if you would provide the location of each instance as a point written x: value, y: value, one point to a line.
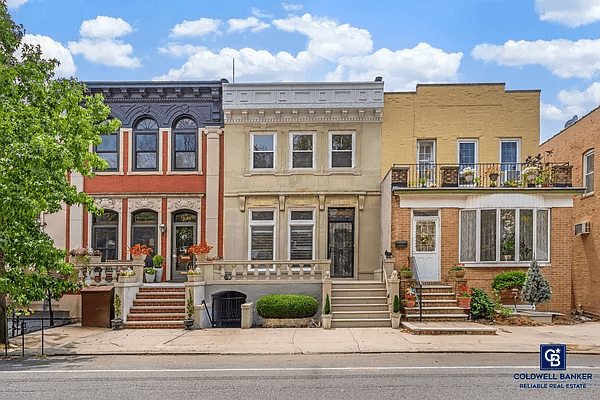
x: 309, y: 156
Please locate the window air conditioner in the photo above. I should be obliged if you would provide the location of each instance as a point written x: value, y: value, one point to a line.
x: 582, y: 228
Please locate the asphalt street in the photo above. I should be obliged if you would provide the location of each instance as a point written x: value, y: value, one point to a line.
x: 344, y: 376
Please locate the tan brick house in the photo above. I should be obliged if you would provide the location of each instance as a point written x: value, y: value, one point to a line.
x: 576, y: 144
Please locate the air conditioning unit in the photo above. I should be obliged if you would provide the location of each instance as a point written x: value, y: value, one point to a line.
x: 582, y: 228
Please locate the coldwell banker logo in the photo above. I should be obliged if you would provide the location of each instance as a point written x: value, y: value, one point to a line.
x: 553, y: 357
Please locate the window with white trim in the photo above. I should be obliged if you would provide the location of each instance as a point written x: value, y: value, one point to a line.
x: 109, y: 150
x: 509, y: 159
x: 426, y: 160
x: 302, y: 149
x: 145, y: 145
x: 105, y: 234
x: 588, y: 171
x: 341, y: 150
x: 185, y: 145
x: 262, y: 234
x: 504, y: 235
x: 467, y: 158
x: 301, y: 230
x: 263, y: 150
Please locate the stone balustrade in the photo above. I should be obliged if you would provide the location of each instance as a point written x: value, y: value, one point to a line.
x: 107, y: 271
x: 244, y: 270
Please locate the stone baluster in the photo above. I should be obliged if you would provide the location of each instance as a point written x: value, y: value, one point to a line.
x: 245, y: 271
x: 222, y: 268
x: 233, y: 272
x: 256, y: 272
x: 278, y: 271
x: 103, y: 275
x: 313, y: 266
x: 267, y: 272
x: 113, y: 274
x: 289, y: 271
x: 301, y: 272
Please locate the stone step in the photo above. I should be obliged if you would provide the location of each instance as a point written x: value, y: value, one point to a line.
x: 155, y: 295
x: 437, y: 289
x: 438, y: 296
x: 161, y: 310
x: 155, y: 317
x: 358, y: 285
x: 158, y: 302
x: 448, y: 328
x: 437, y: 317
x: 436, y: 310
x: 357, y: 292
x: 359, y: 300
x: 359, y: 307
x: 439, y: 303
x: 146, y: 289
x: 339, y: 315
x: 154, y: 325
x: 361, y: 323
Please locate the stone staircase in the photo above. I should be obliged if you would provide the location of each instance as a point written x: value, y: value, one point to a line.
x: 357, y: 304
x: 157, y: 306
x: 439, y: 304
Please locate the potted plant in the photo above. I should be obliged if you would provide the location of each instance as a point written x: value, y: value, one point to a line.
x: 95, y: 256
x: 201, y: 250
x: 127, y: 276
x: 530, y: 173
x: 464, y: 299
x: 149, y: 274
x: 406, y: 272
x: 140, y: 251
x: 468, y: 174
x: 189, y: 321
x: 457, y: 271
x: 194, y: 275
x: 157, y: 260
x: 493, y: 172
x: 117, y: 323
x: 410, y: 298
x: 508, y: 247
x: 326, y: 317
x: 396, y: 313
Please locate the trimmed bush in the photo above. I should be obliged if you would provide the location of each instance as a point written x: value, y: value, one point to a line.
x: 509, y: 279
x: 287, y: 306
x: 482, y: 306
x: 327, y: 307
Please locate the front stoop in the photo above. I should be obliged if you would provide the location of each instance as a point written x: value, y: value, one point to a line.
x: 157, y: 307
x: 439, y: 304
x: 448, y: 328
x: 359, y: 304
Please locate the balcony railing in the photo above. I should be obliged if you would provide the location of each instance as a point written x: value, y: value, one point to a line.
x: 487, y: 175
x: 247, y: 271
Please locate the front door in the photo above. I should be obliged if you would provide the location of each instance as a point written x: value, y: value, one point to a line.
x: 426, y: 244
x: 184, y: 235
x: 341, y: 242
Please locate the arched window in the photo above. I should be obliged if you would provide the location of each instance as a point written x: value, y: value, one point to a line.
x: 185, y: 145
x: 105, y: 234
x: 145, y: 145
x: 144, y: 229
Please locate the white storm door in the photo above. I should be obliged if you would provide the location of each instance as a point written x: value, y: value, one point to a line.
x: 426, y: 246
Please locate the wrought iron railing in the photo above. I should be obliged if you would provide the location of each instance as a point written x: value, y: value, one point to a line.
x: 486, y: 175
x: 419, y: 288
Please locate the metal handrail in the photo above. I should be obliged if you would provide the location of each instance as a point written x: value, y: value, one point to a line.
x: 419, y: 288
x: 212, y: 324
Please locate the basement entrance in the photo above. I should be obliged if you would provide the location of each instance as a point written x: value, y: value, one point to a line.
x: 227, y: 309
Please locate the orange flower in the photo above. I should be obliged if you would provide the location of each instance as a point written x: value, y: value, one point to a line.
x: 140, y: 249
x: 202, y: 248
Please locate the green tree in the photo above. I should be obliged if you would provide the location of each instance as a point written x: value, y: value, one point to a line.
x: 536, y: 289
x: 47, y: 128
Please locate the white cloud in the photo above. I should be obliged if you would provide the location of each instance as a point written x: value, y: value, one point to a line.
x: 327, y: 39
x: 104, y: 27
x: 258, y: 13
x: 292, y: 7
x: 572, y: 13
x: 200, y: 27
x: 53, y: 49
x: 242, y: 24
x: 110, y: 52
x: 180, y: 50
x: 554, y: 113
x: 565, y: 58
x: 15, y: 3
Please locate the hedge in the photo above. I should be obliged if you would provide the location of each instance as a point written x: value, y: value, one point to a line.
x: 287, y: 306
x: 509, y: 279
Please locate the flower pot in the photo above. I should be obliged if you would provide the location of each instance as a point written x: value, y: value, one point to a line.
x: 395, y: 321
x: 127, y: 279
x: 201, y: 257
x: 464, y: 302
x: 410, y: 303
x: 493, y: 177
x: 468, y: 178
x: 326, y: 321
x: 159, y: 274
x: 149, y: 277
x: 459, y: 274
x: 138, y: 258
x: 195, y: 278
x: 94, y: 259
x: 530, y: 177
x: 406, y: 274
x: 188, y: 323
x: 117, y: 324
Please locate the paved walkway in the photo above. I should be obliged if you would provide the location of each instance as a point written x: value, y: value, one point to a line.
x: 77, y: 340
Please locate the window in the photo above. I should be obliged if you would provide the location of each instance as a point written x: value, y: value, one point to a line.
x: 467, y: 157
x: 301, y: 228
x: 509, y: 159
x: 504, y: 235
x: 263, y: 150
x: 302, y: 147
x: 145, y: 142
x: 341, y: 147
x: 588, y: 171
x: 262, y: 235
x: 144, y: 229
x: 426, y: 160
x: 105, y: 234
x: 185, y: 145
x: 109, y: 150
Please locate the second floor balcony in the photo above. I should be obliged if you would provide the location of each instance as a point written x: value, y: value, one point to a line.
x: 481, y: 175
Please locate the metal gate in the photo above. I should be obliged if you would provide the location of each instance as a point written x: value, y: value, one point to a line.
x: 227, y: 309
x: 341, y: 242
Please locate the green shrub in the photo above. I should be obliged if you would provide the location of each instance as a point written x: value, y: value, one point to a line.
x: 396, y: 304
x: 509, y: 279
x: 482, y: 306
x: 287, y: 306
x: 327, y: 306
x: 157, y: 260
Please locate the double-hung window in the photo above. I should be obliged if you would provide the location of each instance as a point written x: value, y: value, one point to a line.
x: 509, y: 159
x: 263, y: 151
x: 467, y: 158
x: 185, y: 145
x: 301, y: 229
x: 262, y: 234
x: 303, y: 150
x: 588, y: 171
x: 109, y: 150
x: 105, y: 234
x: 341, y: 150
x: 426, y: 161
x: 504, y: 235
x: 145, y: 145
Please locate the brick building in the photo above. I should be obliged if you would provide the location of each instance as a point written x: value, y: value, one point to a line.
x: 577, y: 144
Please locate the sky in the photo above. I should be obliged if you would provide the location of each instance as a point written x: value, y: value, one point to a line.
x: 552, y: 45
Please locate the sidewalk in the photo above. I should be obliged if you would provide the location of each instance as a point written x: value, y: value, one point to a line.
x: 77, y: 340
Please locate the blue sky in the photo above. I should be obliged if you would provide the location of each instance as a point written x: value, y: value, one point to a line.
x: 552, y: 45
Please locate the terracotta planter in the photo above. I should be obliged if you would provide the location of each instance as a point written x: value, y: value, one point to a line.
x: 459, y: 274
x: 464, y: 302
x: 406, y: 274
x: 410, y: 303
